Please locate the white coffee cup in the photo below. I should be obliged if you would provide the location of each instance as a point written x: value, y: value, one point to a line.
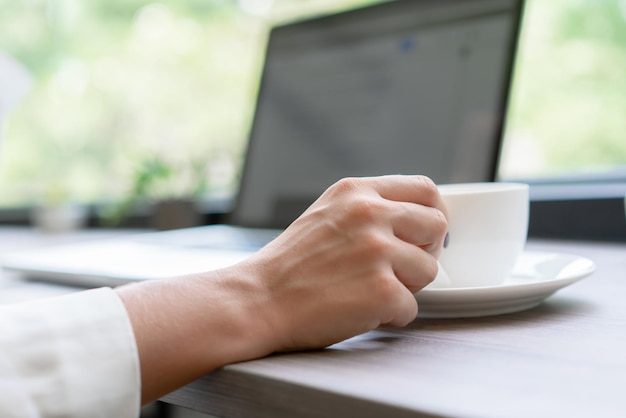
x: 487, y: 227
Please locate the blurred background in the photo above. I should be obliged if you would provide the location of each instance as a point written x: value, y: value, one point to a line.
x: 169, y: 86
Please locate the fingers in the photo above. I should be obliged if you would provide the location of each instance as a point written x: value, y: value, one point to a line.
x: 361, y: 250
x: 413, y: 267
x: 399, y: 188
x: 403, y: 309
x: 420, y: 190
x: 411, y: 204
x: 422, y: 226
x: 409, y: 207
x: 424, y: 223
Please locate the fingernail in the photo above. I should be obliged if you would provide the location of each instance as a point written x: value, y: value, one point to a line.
x: 446, y: 240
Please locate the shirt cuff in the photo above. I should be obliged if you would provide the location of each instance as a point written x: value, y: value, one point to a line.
x: 72, y: 356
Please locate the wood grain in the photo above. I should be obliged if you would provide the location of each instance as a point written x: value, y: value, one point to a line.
x: 566, y: 357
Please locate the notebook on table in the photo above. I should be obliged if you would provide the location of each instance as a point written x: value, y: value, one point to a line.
x: 402, y: 87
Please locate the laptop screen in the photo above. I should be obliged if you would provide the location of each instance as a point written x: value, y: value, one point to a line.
x: 403, y: 87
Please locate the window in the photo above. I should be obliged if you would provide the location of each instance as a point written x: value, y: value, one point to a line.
x: 568, y: 108
x: 120, y: 81
x: 566, y: 128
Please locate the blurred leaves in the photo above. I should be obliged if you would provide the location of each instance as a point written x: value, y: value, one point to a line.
x: 119, y: 80
x: 569, y: 98
x: 157, y: 178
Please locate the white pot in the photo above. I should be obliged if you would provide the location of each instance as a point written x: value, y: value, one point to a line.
x: 59, y: 219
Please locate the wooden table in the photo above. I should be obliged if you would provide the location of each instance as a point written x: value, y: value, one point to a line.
x: 565, y: 358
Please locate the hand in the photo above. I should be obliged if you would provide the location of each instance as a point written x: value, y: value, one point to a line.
x: 349, y: 264
x: 352, y: 261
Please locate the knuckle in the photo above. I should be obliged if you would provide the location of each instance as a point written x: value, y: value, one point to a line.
x: 375, y: 246
x: 364, y: 210
x: 426, y: 182
x: 440, y: 222
x: 430, y: 270
x: 427, y: 188
x: 386, y: 289
x: 347, y: 185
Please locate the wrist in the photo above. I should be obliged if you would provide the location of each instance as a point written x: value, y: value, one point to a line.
x: 188, y: 326
x: 242, y: 319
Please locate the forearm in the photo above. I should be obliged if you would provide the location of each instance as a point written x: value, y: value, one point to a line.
x: 348, y: 264
x: 186, y: 327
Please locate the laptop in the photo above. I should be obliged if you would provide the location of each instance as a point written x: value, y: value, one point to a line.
x: 400, y: 87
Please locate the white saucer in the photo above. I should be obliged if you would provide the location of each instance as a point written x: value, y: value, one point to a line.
x: 536, y: 276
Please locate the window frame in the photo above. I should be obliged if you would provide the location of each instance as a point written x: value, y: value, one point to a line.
x: 591, y: 207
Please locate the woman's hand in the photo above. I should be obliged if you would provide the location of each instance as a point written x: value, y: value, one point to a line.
x: 351, y: 262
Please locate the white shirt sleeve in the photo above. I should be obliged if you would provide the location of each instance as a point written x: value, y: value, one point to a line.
x: 69, y: 356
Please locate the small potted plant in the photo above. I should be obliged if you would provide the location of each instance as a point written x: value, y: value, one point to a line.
x: 169, y: 189
x: 56, y: 212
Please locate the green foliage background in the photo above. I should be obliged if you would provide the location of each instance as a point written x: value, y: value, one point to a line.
x: 568, y: 111
x: 122, y: 81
